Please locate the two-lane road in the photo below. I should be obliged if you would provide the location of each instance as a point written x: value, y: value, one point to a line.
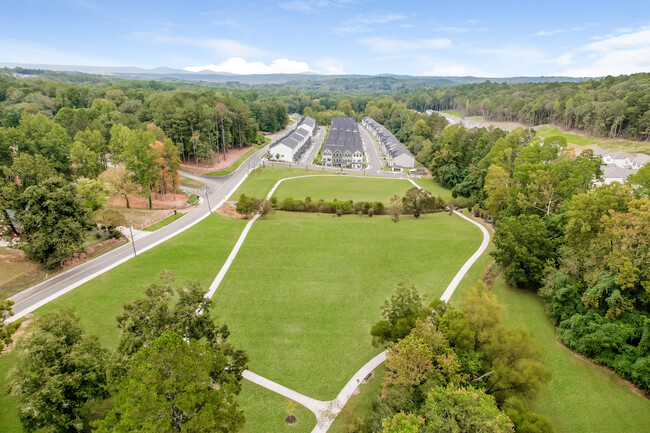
x: 217, y: 191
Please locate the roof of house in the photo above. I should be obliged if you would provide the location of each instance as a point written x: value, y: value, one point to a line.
x: 641, y: 158
x: 611, y: 171
x: 621, y: 155
x: 343, y: 136
x: 297, y: 137
x: 390, y: 142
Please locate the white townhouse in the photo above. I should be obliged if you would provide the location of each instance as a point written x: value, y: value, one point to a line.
x: 291, y: 147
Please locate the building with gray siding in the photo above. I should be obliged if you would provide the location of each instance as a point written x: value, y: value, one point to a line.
x: 343, y: 147
x: 398, y: 157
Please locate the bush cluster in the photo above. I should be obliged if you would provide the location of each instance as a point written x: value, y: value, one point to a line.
x: 349, y: 207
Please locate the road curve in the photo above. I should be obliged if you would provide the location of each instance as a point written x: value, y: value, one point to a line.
x: 218, y: 189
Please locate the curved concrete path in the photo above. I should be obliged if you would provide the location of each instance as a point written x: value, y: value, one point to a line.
x: 327, y: 411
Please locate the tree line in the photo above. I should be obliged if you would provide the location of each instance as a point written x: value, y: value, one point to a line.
x: 609, y: 107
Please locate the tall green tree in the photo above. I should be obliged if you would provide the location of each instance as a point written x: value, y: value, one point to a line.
x: 169, y: 387
x: 59, y: 372
x: 450, y: 410
x: 52, y: 220
x: 144, y: 320
x: 523, y: 247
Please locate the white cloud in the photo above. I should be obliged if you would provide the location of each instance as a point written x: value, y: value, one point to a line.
x: 624, y: 53
x: 311, y: 5
x: 391, y: 46
x: 330, y: 66
x: 453, y: 29
x: 558, y: 31
x: 220, y: 47
x: 363, y: 23
x: 239, y: 65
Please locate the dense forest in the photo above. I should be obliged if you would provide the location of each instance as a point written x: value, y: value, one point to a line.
x: 611, y: 107
x: 66, y: 146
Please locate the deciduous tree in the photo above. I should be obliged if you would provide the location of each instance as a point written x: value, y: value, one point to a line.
x: 170, y: 387
x: 59, y: 371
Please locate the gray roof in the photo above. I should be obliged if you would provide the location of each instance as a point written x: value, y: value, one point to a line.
x: 392, y: 144
x: 343, y: 136
x: 611, y: 171
x: 297, y: 136
x: 641, y: 158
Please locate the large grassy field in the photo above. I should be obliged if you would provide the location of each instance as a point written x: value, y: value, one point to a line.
x: 577, y: 141
x: 305, y: 289
x: 580, y: 396
x: 343, y: 188
x: 549, y: 131
x: 434, y: 188
x: 260, y: 181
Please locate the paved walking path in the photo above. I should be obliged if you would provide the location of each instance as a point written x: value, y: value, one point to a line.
x: 327, y: 411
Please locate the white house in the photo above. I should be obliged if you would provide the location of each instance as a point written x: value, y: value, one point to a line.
x: 291, y: 147
x: 617, y: 166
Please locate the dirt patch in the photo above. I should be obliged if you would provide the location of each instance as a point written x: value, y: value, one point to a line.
x: 506, y: 126
x: 220, y: 163
x: 139, y: 202
x: 19, y: 332
x: 291, y: 419
x: 91, y: 251
x: 229, y: 209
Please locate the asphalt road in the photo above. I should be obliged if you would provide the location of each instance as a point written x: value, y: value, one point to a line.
x: 217, y: 190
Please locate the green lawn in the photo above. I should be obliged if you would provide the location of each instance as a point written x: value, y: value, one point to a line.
x: 162, y: 223
x: 453, y: 113
x: 8, y: 418
x: 360, y: 405
x: 577, y: 141
x: 196, y: 254
x: 434, y: 188
x: 305, y: 289
x: 548, y: 131
x: 292, y: 309
x: 233, y: 167
x: 580, y: 397
x: 343, y: 188
x: 265, y: 411
x: 260, y: 181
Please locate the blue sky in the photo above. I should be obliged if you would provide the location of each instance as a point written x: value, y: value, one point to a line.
x: 481, y: 38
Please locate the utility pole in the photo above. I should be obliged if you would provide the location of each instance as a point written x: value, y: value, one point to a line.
x: 207, y: 197
x: 132, y: 239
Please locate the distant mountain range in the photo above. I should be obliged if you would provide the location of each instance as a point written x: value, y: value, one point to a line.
x: 164, y: 73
